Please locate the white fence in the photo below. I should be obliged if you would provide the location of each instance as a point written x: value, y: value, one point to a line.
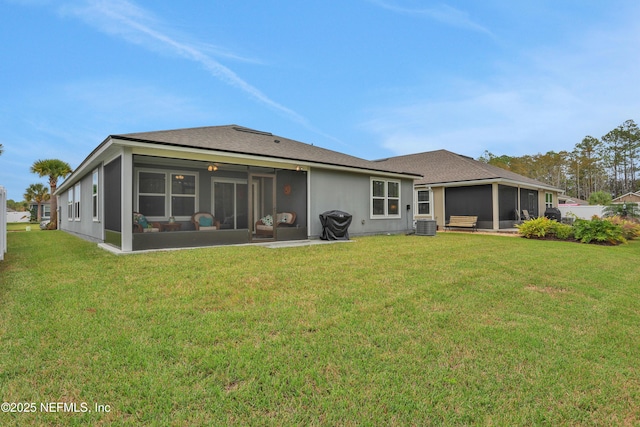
x: 3, y: 222
x: 582, y: 212
x: 18, y: 216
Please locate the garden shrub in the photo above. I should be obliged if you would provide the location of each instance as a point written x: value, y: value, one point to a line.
x: 598, y: 230
x: 535, y: 228
x: 542, y: 227
x: 625, y: 210
x: 630, y: 228
x: 561, y: 231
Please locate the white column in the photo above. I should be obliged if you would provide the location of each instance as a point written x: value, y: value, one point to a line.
x: 126, y: 192
x: 495, y: 197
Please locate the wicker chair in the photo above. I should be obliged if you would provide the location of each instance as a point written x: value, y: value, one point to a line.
x: 282, y: 219
x: 141, y: 225
x: 204, y: 221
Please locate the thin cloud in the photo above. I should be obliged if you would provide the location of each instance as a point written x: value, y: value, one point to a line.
x: 442, y: 13
x: 549, y: 99
x: 136, y: 25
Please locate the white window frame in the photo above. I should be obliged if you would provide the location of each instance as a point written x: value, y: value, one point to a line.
x: 77, y: 191
x: 194, y: 196
x: 386, y: 198
x: 95, y: 192
x: 168, y: 174
x: 548, y: 200
x: 70, y: 204
x: 418, y: 202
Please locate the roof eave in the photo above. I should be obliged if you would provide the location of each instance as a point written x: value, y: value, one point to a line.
x: 490, y: 181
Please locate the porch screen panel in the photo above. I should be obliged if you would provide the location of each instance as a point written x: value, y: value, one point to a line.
x: 223, y: 202
x: 112, y: 196
x: 473, y: 200
x: 231, y: 204
x: 508, y: 202
x: 242, y: 206
x: 529, y: 201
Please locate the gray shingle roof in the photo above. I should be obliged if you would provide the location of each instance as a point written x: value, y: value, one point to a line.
x: 240, y: 140
x: 442, y: 167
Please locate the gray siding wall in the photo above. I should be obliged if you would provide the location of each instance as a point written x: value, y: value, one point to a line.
x: 86, y: 226
x: 351, y: 193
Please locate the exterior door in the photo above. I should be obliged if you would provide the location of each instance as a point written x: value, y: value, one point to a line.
x: 262, y: 201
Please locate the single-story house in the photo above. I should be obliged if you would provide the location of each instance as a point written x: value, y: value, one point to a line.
x: 225, y: 185
x: 453, y: 184
x: 628, y: 198
x: 45, y: 210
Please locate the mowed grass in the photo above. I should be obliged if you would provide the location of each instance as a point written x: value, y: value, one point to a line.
x: 23, y: 226
x: 457, y: 329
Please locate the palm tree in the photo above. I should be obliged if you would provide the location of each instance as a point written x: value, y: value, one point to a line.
x: 54, y: 169
x: 38, y: 194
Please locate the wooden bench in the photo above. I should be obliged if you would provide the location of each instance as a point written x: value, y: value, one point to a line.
x: 462, y: 222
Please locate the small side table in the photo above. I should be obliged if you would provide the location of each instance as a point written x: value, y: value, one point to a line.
x: 170, y: 226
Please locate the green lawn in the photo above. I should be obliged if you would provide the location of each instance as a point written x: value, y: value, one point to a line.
x: 457, y: 329
x: 22, y: 226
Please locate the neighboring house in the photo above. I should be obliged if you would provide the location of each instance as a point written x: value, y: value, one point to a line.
x: 452, y: 184
x: 239, y: 175
x: 628, y: 198
x: 45, y: 210
x: 565, y: 200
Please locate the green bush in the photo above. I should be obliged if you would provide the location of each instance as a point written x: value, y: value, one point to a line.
x: 598, y: 230
x: 535, y: 228
x: 561, y: 231
x: 630, y: 228
x: 625, y: 210
x: 542, y: 227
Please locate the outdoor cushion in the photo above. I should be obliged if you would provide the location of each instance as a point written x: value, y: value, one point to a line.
x: 141, y: 219
x: 205, y: 221
x: 284, y: 218
x: 267, y: 220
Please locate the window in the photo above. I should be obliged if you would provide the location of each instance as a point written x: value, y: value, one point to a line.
x: 152, y: 194
x: 94, y: 196
x: 164, y: 194
x: 385, y: 198
x: 70, y: 205
x: 424, y: 202
x: 548, y: 200
x: 183, y: 194
x: 76, y: 202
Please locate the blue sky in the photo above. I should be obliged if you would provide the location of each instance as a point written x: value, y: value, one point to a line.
x: 371, y: 78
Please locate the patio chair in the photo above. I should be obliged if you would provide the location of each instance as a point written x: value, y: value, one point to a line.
x: 525, y: 215
x: 264, y: 226
x: 204, y: 221
x: 142, y: 225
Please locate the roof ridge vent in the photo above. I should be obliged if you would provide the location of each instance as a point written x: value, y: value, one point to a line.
x: 247, y: 130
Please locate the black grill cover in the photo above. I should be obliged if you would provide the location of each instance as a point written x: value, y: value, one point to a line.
x: 553, y: 213
x: 335, y: 225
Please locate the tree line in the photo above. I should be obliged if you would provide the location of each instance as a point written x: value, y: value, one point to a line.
x: 608, y: 164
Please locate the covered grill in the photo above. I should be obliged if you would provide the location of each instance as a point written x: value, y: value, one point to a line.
x: 335, y: 225
x: 553, y: 213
